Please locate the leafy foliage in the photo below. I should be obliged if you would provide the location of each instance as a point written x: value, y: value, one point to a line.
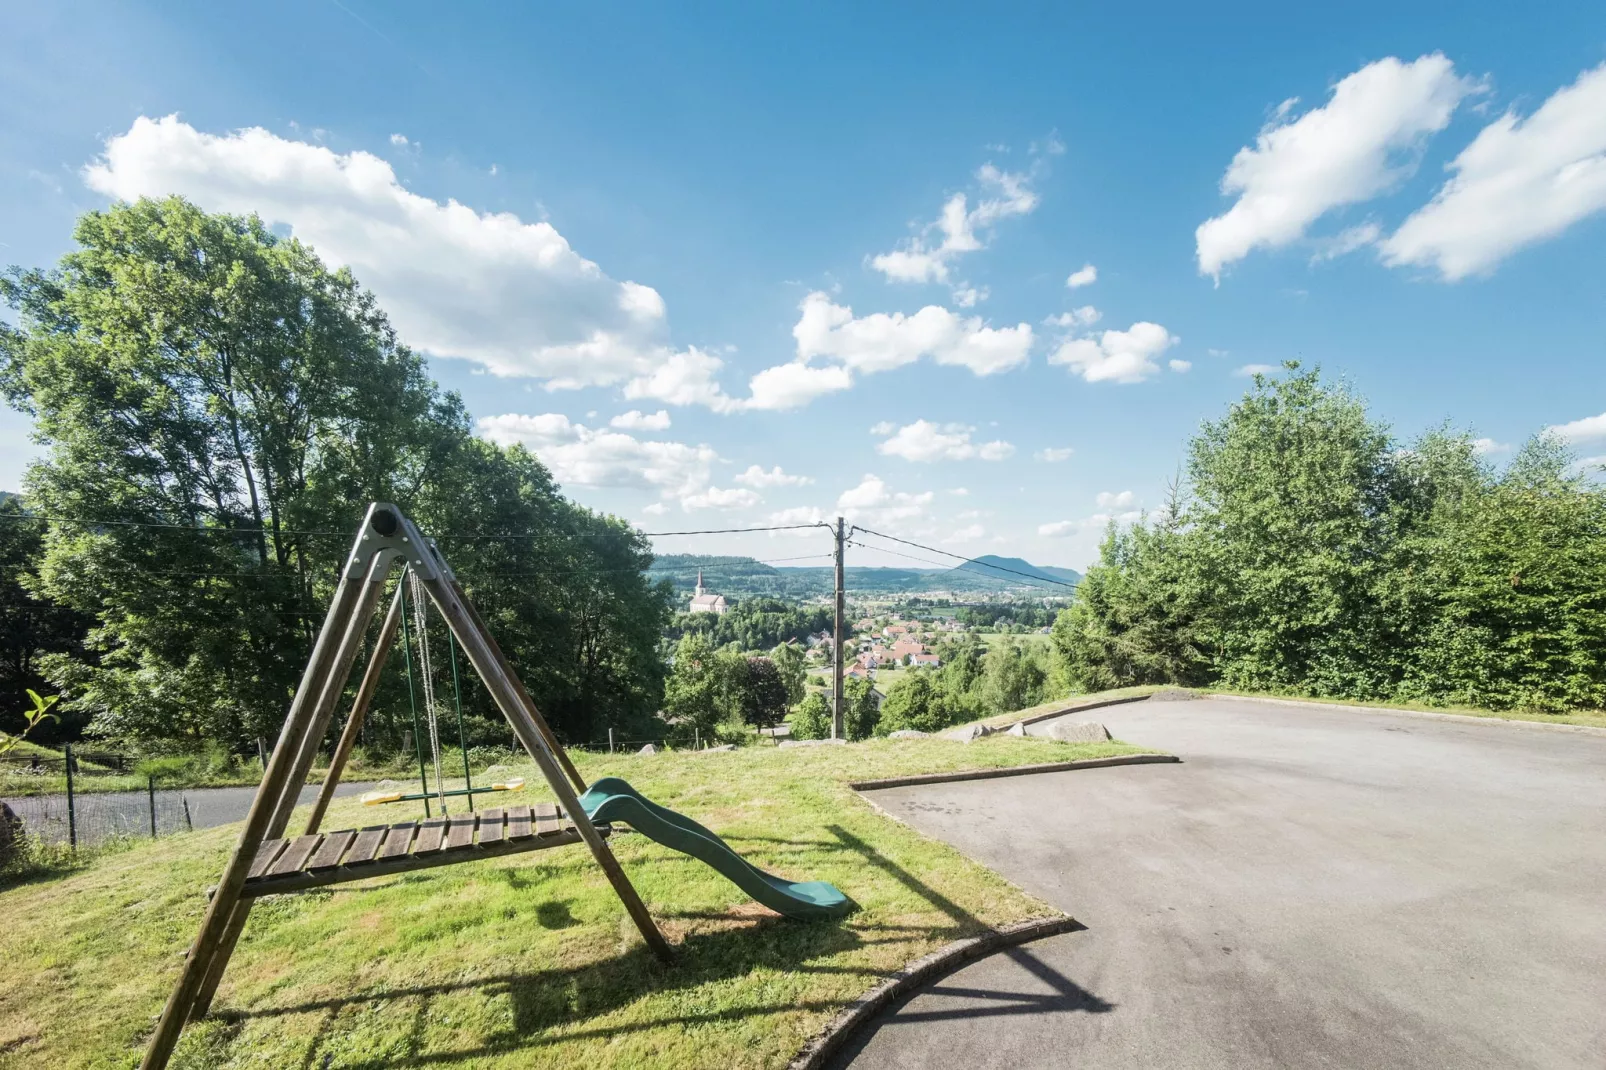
x: 218, y: 405
x: 813, y: 718
x: 1318, y: 556
x: 756, y: 624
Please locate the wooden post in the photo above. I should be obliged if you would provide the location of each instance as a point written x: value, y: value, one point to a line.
x: 221, y: 919
x: 150, y: 793
x: 72, y: 809
x: 486, y: 661
x: 610, y: 741
x: 837, y: 727
x: 359, y: 709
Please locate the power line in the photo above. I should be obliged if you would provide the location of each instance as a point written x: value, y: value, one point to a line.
x: 927, y: 561
x: 961, y: 557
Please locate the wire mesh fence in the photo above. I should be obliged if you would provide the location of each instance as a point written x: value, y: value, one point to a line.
x: 88, y: 819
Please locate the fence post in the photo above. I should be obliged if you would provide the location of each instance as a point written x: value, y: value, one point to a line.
x: 610, y: 741
x: 262, y: 752
x: 150, y: 793
x: 72, y: 815
x: 696, y: 739
x: 188, y: 824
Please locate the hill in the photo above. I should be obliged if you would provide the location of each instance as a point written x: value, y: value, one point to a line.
x: 745, y: 577
x: 1016, y: 571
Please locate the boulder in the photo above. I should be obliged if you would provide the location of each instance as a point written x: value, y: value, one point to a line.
x: 1078, y: 732
x: 718, y: 750
x: 812, y: 743
x: 906, y: 733
x: 1016, y: 729
x: 1173, y: 694
x: 651, y: 748
x: 10, y: 833
x: 969, y: 733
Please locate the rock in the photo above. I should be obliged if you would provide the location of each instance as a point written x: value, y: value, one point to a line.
x: 386, y: 785
x: 718, y: 750
x: 651, y: 748
x: 969, y: 733
x: 1173, y: 694
x: 813, y: 743
x: 495, y: 769
x: 1078, y: 732
x: 1017, y: 729
x: 906, y: 733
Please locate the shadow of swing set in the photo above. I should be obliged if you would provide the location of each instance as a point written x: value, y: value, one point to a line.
x: 266, y: 862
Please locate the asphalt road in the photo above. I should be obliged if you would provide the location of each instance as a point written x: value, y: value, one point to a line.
x: 1309, y: 888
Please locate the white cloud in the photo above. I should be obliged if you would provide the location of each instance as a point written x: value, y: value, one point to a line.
x: 1255, y: 369
x: 922, y: 259
x: 969, y: 533
x: 1362, y: 142
x: 720, y: 498
x: 970, y: 296
x: 1054, y: 454
x: 588, y: 457
x: 1485, y: 447
x: 1085, y: 316
x: 880, y: 342
x: 872, y: 502
x: 1347, y: 241
x: 756, y: 476
x: 1180, y: 366
x: 1588, y: 429
x: 1521, y: 181
x: 960, y: 492
x: 399, y: 139
x: 926, y: 442
x: 1116, y: 356
x: 655, y: 509
x: 803, y: 514
x: 795, y: 384
x: 1096, y: 522
x: 511, y: 296
x: 885, y: 427
x: 1113, y: 500
x: 1087, y: 276
x: 685, y: 378
x: 635, y: 420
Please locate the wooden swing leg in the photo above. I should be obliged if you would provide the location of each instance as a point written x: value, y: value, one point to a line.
x: 359, y: 709
x: 498, y: 678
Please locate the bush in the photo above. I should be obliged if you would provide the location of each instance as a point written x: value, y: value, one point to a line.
x: 915, y: 703
x: 812, y: 720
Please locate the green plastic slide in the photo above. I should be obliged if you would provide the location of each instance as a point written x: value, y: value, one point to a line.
x: 612, y: 799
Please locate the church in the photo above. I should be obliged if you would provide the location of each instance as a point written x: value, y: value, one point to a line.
x: 704, y: 602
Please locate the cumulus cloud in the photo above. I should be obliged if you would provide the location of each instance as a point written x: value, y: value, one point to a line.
x: 720, y: 498
x: 1521, y: 181
x: 1362, y: 142
x: 1085, y: 316
x: 1485, y: 447
x: 875, y: 503
x: 592, y: 457
x: 1116, y: 356
x: 1087, y: 276
x: 1180, y: 366
x: 509, y: 295
x: 1588, y: 429
x: 1054, y: 454
x: 795, y: 384
x: 926, y: 442
x: 1255, y: 369
x: 755, y: 476
x: 926, y: 256
x: 690, y: 377
x: 1097, y: 522
x: 1114, y: 500
x: 635, y: 420
x: 399, y: 140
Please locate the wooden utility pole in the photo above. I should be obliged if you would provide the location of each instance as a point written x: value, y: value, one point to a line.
x: 837, y: 639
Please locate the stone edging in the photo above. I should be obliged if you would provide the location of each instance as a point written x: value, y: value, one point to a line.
x: 1588, y: 730
x: 818, y: 1051
x: 1068, y: 710
x: 1015, y: 770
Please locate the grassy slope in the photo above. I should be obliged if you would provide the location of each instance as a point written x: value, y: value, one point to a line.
x: 524, y: 961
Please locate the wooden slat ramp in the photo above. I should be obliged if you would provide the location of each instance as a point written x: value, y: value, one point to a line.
x: 314, y: 861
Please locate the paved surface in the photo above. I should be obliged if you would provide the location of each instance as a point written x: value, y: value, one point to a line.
x: 1308, y: 889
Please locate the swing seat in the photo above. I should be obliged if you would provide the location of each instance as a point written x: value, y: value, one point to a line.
x: 321, y: 859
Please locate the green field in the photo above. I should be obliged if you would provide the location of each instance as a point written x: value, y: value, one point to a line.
x: 529, y: 960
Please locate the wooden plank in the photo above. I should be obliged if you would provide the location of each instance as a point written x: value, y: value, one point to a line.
x: 429, y: 836
x: 295, y: 856
x: 460, y: 832
x: 491, y: 829
x: 518, y: 823
x: 329, y: 851
x: 264, y: 858
x: 398, y: 838
x: 547, y: 821
x: 368, y: 841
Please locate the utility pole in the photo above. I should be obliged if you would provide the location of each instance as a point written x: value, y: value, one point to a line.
x: 837, y: 639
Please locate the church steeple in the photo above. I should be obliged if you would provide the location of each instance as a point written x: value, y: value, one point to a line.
x: 699, y: 583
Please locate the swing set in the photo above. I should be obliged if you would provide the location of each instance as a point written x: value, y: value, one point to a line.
x: 267, y: 862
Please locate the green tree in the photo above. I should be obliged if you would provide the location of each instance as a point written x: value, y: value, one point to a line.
x: 813, y: 718
x: 916, y: 703
x: 761, y: 693
x: 861, y: 710
x: 789, y: 662
x: 30, y: 627
x: 1013, y: 678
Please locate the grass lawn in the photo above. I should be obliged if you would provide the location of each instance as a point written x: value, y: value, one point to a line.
x: 526, y: 961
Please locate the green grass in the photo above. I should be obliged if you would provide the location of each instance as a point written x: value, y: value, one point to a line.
x: 1588, y: 718
x: 526, y: 961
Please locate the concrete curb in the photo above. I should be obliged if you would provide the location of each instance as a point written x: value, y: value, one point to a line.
x: 1016, y: 770
x: 1588, y: 730
x: 818, y: 1051
x: 1068, y: 710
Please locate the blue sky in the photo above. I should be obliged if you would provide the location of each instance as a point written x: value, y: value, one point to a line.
x: 743, y: 225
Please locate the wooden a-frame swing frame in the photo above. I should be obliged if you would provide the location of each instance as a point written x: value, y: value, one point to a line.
x: 387, y: 537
